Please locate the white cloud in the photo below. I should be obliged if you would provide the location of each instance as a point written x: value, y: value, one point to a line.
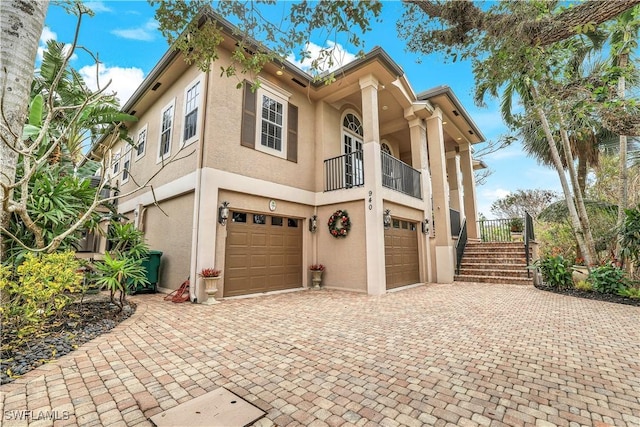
x: 146, y: 32
x: 97, y: 6
x: 47, y: 35
x: 124, y: 81
x: 509, y: 152
x: 487, y: 196
x: 337, y: 55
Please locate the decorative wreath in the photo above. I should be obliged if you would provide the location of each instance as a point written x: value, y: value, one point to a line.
x: 339, y: 224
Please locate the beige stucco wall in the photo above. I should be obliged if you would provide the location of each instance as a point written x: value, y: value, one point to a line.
x: 146, y: 166
x: 345, y: 258
x: 224, y: 118
x: 171, y: 234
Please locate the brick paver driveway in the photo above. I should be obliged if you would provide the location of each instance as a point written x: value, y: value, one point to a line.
x: 464, y: 354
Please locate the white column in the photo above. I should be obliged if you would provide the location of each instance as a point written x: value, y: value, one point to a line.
x: 420, y: 161
x: 455, y: 186
x: 374, y: 207
x: 469, y: 185
x: 444, y: 244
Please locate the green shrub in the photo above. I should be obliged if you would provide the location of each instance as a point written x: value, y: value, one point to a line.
x: 608, y: 279
x: 556, y: 272
x: 630, y: 293
x: 37, y: 290
x: 583, y: 285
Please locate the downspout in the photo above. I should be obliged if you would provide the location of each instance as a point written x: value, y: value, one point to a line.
x: 193, y: 276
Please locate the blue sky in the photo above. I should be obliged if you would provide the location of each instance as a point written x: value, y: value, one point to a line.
x: 125, y: 36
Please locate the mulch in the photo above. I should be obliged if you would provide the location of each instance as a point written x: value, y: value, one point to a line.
x: 617, y: 299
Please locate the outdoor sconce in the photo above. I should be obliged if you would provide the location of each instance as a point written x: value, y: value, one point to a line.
x: 386, y: 219
x: 313, y: 223
x: 425, y: 226
x: 223, y: 213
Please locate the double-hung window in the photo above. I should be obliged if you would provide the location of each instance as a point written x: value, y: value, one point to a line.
x: 166, y: 120
x: 269, y: 121
x: 116, y: 163
x: 191, y: 107
x: 141, y: 143
x: 272, y: 123
x: 126, y: 167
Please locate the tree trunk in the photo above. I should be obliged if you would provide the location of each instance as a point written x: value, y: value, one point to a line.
x: 21, y: 24
x: 624, y: 174
x: 576, y: 225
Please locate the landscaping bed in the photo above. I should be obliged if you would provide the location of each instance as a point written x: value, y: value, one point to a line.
x: 593, y: 295
x: 75, y: 325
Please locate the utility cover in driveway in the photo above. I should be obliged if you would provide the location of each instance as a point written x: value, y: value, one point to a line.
x: 218, y: 408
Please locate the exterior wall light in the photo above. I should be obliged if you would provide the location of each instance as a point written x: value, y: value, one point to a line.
x: 223, y: 213
x: 386, y: 219
x: 425, y: 226
x: 313, y: 223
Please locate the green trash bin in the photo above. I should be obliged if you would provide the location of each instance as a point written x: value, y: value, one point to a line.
x: 151, y: 265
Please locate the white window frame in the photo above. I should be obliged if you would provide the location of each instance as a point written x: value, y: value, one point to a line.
x: 115, y: 163
x: 144, y: 131
x: 172, y: 106
x: 278, y: 95
x: 198, y: 107
x: 126, y: 158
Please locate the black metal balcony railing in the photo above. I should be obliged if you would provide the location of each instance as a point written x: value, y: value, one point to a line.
x: 344, y: 171
x: 399, y: 176
x: 499, y: 230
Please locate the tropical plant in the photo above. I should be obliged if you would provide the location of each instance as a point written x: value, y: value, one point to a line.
x: 122, y: 268
x: 36, y: 291
x: 583, y: 285
x: 608, y: 279
x: 516, y: 225
x: 633, y: 293
x: 556, y: 271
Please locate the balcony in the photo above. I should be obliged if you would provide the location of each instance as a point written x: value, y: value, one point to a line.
x: 399, y: 176
x: 346, y: 171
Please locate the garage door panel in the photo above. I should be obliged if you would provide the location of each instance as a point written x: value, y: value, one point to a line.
x: 263, y: 257
x: 401, y: 255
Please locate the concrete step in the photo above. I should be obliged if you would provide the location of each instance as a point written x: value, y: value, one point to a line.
x: 493, y: 272
x: 494, y: 279
x: 492, y: 266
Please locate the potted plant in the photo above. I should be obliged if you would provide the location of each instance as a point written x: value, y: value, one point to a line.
x: 316, y: 275
x: 516, y: 226
x: 210, y: 277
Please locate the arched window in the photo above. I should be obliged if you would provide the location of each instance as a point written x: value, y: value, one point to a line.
x: 384, y: 147
x: 352, y: 147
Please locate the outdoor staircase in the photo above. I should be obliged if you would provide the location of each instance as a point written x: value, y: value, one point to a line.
x: 495, y: 262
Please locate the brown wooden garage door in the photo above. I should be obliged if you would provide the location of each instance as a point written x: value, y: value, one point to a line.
x: 263, y: 253
x: 401, y: 254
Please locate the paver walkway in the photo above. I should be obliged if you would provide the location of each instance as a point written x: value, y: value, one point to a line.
x: 459, y: 355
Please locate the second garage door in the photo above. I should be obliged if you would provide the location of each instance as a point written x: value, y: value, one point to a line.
x: 263, y: 253
x: 401, y: 254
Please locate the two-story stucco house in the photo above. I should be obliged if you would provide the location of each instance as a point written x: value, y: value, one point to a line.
x: 287, y: 156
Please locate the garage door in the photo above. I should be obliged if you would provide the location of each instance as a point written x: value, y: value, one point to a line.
x: 263, y: 253
x: 401, y: 254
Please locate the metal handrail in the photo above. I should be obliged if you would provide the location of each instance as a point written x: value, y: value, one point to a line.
x: 529, y: 236
x: 461, y: 244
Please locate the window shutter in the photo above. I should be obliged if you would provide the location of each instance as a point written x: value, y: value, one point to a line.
x: 248, y: 132
x: 292, y: 134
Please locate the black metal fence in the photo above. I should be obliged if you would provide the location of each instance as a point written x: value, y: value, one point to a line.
x: 501, y: 230
x: 399, y: 176
x: 461, y: 244
x: 344, y: 171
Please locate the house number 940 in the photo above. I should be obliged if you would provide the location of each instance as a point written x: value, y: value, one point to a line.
x: 370, y: 200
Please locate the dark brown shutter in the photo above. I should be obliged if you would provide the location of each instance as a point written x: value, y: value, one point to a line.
x: 292, y: 134
x: 248, y: 132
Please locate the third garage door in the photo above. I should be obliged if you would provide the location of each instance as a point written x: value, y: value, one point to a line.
x: 263, y: 253
x: 401, y: 254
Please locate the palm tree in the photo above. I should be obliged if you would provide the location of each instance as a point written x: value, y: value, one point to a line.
x: 624, y: 40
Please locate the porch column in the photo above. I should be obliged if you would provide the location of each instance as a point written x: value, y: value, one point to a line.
x: 373, y: 205
x: 453, y: 179
x: 420, y: 161
x: 444, y: 244
x: 469, y: 185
